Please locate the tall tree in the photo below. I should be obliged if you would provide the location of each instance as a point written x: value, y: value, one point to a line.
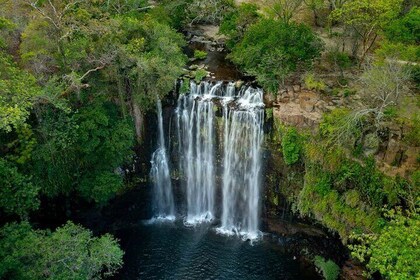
x: 284, y: 10
x: 367, y: 18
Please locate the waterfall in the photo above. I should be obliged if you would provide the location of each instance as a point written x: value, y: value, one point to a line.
x: 163, y: 199
x: 196, y: 145
x: 243, y: 135
x: 243, y: 117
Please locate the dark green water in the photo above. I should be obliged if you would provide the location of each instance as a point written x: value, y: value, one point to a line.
x: 173, y: 251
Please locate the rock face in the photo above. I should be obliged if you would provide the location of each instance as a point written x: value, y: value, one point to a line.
x: 297, y: 107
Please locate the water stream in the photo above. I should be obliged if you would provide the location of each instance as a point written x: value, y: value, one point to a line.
x: 163, y: 202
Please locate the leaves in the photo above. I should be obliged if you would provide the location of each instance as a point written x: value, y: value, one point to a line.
x: 272, y: 50
x: 71, y: 252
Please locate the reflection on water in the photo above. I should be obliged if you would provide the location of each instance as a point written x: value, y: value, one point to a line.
x: 163, y: 250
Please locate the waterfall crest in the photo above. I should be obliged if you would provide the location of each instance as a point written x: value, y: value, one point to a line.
x: 163, y: 199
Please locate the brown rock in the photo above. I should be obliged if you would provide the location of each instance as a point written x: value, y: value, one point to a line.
x: 392, y: 151
x: 352, y: 271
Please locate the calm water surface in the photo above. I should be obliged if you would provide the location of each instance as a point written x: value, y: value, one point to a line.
x: 173, y: 251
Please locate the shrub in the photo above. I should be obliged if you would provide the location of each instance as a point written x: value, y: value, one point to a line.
x: 291, y: 144
x: 200, y: 74
x: 313, y: 83
x: 329, y: 269
x: 340, y: 60
x: 200, y: 54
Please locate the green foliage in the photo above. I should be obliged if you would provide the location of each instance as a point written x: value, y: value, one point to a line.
x: 71, y: 252
x: 341, y: 127
x: 200, y: 54
x: 405, y: 29
x: 367, y: 18
x: 413, y: 135
x: 329, y: 269
x: 200, y: 74
x: 291, y: 144
x: 272, y: 50
x: 208, y: 11
x: 154, y: 69
x: 235, y: 23
x: 18, y: 195
x: 82, y: 151
x: 283, y: 10
x: 313, y: 83
x: 340, y: 60
x: 342, y: 213
x: 18, y: 90
x: 393, y: 252
x: 185, y: 86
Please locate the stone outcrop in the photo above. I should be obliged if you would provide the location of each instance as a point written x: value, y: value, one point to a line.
x: 297, y: 107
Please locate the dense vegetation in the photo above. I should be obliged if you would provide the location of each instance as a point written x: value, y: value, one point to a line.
x: 77, y: 77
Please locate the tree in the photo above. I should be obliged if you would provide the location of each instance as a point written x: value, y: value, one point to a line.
x: 283, y: 10
x: 71, y: 252
x: 18, y: 195
x: 315, y: 6
x: 235, y: 23
x: 208, y: 11
x: 271, y: 50
x: 82, y: 151
x: 367, y: 18
x: 405, y: 29
x: 384, y: 85
x: 18, y: 91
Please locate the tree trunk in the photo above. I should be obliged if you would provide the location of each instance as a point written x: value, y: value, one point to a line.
x: 138, y: 121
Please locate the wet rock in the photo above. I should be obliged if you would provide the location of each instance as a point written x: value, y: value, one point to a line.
x: 352, y: 271
x: 284, y: 228
x: 193, y: 67
x: 239, y: 83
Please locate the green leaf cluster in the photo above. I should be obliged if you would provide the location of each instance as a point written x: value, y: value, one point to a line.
x: 70, y: 252
x: 272, y: 50
x: 393, y: 252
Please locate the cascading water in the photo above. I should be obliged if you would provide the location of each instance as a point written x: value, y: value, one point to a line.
x: 196, y: 145
x: 163, y: 198
x: 243, y: 117
x: 243, y: 135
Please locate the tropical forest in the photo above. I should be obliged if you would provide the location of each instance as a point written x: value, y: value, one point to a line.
x: 210, y: 139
